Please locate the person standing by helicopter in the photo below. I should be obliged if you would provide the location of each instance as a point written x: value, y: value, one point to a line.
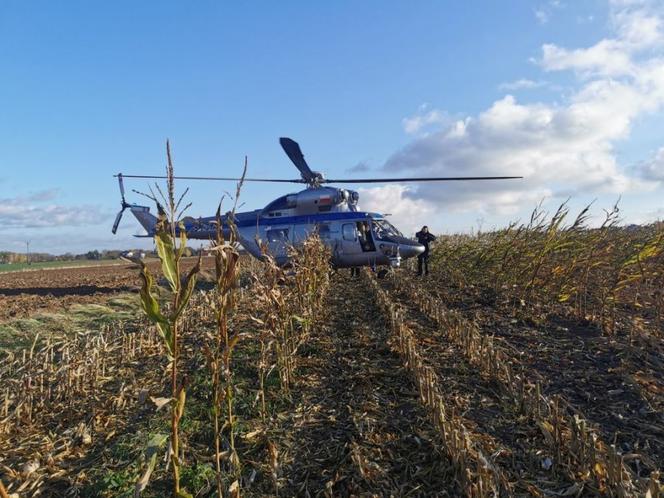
x: 424, y: 237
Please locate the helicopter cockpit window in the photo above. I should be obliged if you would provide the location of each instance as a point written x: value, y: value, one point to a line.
x: 279, y: 203
x: 384, y: 229
x: 277, y: 235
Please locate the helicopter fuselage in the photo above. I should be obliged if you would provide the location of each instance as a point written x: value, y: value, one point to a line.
x: 355, y: 238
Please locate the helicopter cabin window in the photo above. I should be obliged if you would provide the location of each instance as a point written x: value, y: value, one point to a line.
x: 348, y: 231
x: 277, y: 235
x: 323, y: 230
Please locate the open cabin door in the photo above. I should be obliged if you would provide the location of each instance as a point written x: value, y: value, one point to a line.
x: 357, y: 238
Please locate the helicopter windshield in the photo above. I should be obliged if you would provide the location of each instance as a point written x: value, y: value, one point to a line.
x: 384, y: 230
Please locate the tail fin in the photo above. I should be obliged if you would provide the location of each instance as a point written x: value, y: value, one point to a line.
x: 145, y: 218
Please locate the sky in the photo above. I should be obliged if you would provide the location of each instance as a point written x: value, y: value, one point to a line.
x: 568, y: 94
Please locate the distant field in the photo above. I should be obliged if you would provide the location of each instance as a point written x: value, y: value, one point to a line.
x: 58, y: 285
x: 4, y: 267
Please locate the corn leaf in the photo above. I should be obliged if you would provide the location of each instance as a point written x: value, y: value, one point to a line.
x: 182, y: 397
x: 183, y: 240
x: 151, y: 307
x: 233, y: 341
x: 188, y: 288
x: 160, y: 402
x: 165, y: 250
x: 154, y: 445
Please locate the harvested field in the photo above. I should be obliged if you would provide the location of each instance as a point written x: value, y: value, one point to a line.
x: 323, y: 385
x: 587, y: 384
x: 54, y: 289
x: 357, y: 427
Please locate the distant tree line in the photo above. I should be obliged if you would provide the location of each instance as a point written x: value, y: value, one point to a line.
x: 95, y: 255
x: 9, y: 257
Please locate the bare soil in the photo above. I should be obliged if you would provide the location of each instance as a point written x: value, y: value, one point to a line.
x: 55, y: 289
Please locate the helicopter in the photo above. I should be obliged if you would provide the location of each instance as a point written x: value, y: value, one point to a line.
x: 355, y: 237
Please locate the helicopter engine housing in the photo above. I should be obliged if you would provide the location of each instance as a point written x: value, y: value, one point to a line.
x: 312, y: 201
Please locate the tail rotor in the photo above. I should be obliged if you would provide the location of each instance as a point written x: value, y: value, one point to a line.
x: 125, y: 205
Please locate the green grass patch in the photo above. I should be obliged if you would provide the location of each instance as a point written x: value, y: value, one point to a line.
x: 20, y: 333
x: 4, y: 267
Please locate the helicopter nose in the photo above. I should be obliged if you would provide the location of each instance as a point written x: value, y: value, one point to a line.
x: 411, y: 250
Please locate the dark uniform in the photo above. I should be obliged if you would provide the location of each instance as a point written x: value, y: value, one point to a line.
x: 424, y: 238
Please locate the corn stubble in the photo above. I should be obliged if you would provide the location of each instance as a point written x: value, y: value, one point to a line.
x: 577, y: 448
x: 64, y: 397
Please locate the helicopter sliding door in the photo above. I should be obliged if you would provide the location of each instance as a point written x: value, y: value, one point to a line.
x: 278, y: 239
x: 357, y: 245
x: 357, y: 238
x: 349, y: 241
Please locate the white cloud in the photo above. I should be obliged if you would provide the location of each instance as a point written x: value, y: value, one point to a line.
x: 521, y: 84
x: 406, y: 212
x: 54, y: 241
x: 544, y: 12
x: 607, y: 57
x: 36, y: 211
x: 638, y: 30
x: 653, y: 169
x: 561, y: 149
x: 424, y: 118
x: 542, y: 16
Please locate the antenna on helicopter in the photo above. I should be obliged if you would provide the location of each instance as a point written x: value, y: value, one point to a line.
x: 124, y: 203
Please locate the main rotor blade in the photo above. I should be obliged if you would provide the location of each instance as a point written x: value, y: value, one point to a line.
x: 292, y: 150
x: 122, y: 190
x: 117, y: 221
x: 215, y: 178
x: 422, y: 179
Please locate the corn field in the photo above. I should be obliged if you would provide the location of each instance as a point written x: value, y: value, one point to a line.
x: 610, y: 276
x: 528, y: 363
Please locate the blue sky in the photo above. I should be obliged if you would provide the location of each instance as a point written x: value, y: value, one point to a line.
x: 88, y: 89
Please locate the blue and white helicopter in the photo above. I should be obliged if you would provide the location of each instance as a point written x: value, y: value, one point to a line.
x: 355, y: 238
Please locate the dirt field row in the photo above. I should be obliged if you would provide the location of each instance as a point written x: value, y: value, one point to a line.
x: 616, y: 381
x: 27, y: 292
x: 357, y: 428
